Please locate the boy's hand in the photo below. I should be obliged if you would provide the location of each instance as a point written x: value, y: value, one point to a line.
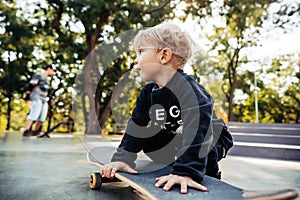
x: 183, y: 181
x: 109, y: 170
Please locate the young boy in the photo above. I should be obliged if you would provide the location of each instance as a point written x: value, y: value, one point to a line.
x: 171, y: 122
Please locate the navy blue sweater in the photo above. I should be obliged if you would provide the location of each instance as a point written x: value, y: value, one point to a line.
x: 171, y: 124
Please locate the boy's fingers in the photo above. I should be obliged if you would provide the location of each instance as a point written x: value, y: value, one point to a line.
x: 183, y: 188
x: 184, y: 183
x: 128, y: 169
x: 132, y: 171
x: 159, y: 182
x: 109, y: 170
x: 197, y: 186
x: 107, y: 173
x: 102, y: 171
x: 113, y: 172
x: 169, y: 185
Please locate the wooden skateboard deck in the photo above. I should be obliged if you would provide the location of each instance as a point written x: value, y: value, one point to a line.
x: 144, y: 182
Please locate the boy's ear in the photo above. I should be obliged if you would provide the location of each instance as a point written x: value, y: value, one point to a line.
x: 165, y: 55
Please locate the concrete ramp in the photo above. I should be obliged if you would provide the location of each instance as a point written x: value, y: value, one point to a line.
x: 276, y: 141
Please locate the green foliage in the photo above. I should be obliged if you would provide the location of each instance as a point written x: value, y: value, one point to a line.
x: 242, y: 20
x: 16, y: 51
x: 64, y: 33
x: 26, y: 46
x: 102, y: 20
x: 278, y: 98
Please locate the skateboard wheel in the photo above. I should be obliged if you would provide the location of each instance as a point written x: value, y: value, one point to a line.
x: 95, y: 181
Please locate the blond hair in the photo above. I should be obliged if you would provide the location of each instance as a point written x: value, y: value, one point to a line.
x: 167, y: 35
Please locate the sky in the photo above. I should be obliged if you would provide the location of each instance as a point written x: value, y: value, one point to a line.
x: 277, y: 44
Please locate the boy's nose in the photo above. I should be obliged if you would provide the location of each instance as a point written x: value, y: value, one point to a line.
x: 135, y: 61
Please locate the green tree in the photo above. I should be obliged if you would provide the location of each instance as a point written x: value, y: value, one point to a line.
x: 29, y: 43
x: 278, y: 99
x: 242, y: 22
x: 287, y: 81
x: 16, y: 52
x: 101, y: 20
x: 291, y: 100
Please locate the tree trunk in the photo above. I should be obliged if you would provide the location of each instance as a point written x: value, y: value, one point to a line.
x: 105, y: 114
x: 230, y: 104
x: 98, y: 97
x: 231, y: 98
x: 298, y: 117
x: 8, y: 116
x: 230, y: 108
x: 107, y: 110
x: 116, y: 93
x: 93, y: 124
x: 85, y: 112
x: 233, y: 82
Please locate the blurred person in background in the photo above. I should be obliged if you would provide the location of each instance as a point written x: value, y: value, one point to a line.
x: 38, y: 94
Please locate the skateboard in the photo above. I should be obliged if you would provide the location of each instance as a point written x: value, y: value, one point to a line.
x: 46, y: 134
x: 144, y: 182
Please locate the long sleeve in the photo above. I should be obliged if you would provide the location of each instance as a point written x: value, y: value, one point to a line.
x: 133, y: 139
x: 196, y: 107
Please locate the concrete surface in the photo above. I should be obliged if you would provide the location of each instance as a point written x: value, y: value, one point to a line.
x: 56, y: 168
